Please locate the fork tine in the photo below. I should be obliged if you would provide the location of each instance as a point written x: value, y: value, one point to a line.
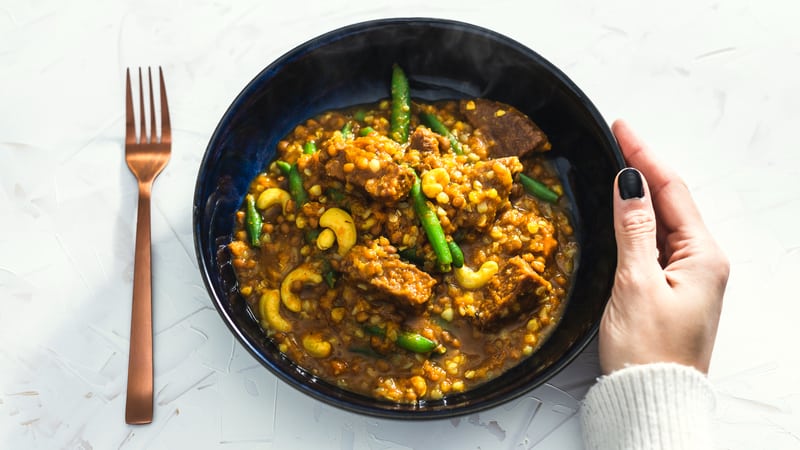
x: 166, y: 131
x: 143, y: 132
x: 130, y: 123
x: 153, y: 134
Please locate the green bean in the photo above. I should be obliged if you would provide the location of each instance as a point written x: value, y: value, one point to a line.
x: 254, y: 221
x: 330, y: 278
x: 458, y: 255
x: 336, y: 195
x: 414, y: 342
x: 408, y: 340
x: 438, y: 127
x: 537, y: 189
x: 296, y: 189
x: 284, y: 167
x: 433, y: 228
x: 366, y: 131
x: 375, y: 330
x: 347, y: 130
x: 401, y: 106
x: 410, y: 254
x: 311, y: 236
x: 328, y: 273
x: 360, y: 115
x: 309, y: 148
x: 366, y: 351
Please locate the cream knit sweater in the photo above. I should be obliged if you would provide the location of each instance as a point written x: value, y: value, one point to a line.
x: 652, y: 406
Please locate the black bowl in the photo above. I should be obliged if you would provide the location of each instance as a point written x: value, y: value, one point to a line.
x: 444, y: 60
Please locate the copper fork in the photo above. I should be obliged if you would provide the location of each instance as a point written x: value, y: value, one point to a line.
x: 146, y: 157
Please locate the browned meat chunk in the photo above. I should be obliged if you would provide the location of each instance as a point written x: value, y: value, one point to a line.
x: 425, y: 150
x: 427, y: 142
x: 509, y: 292
x: 379, y: 270
x: 509, y: 131
x: 365, y: 163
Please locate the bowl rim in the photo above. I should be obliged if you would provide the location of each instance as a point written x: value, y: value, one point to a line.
x: 380, y: 409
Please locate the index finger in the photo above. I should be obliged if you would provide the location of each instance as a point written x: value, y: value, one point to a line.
x: 672, y: 201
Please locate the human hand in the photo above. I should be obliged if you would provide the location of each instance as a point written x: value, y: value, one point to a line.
x: 671, y: 275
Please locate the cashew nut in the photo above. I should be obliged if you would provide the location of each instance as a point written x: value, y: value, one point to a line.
x: 273, y: 196
x: 316, y: 346
x: 434, y: 181
x: 469, y: 279
x: 302, y: 274
x: 326, y: 239
x: 269, y: 307
x: 343, y: 227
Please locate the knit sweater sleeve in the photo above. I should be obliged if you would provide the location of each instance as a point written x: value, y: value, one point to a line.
x: 652, y: 406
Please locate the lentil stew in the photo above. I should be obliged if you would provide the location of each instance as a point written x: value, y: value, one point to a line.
x: 407, y: 250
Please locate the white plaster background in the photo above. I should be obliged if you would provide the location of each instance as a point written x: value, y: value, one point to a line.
x: 712, y: 86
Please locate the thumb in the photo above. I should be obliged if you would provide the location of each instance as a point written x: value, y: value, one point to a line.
x: 634, y: 222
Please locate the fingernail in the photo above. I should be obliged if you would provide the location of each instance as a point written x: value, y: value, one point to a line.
x: 630, y: 184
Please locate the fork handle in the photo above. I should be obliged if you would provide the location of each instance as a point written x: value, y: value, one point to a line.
x: 139, y: 403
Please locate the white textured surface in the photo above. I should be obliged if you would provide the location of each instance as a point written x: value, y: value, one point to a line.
x: 713, y: 86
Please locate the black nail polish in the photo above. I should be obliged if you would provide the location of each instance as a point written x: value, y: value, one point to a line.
x: 630, y: 184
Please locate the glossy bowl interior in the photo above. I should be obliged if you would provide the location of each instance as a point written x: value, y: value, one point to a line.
x: 444, y: 60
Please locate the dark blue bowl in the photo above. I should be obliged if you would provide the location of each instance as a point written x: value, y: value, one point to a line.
x: 444, y: 60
